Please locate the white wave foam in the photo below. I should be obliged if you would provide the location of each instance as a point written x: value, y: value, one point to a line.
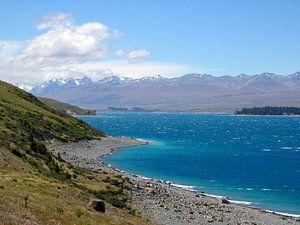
x: 286, y: 148
x: 187, y: 187
x: 240, y: 202
x: 144, y: 178
x: 284, y: 214
x: 266, y: 189
x: 266, y: 150
x: 144, y: 140
x: 231, y: 201
x: 249, y: 189
x: 213, y: 196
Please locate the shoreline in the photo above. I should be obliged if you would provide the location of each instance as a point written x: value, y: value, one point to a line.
x: 190, y: 189
x: 165, y: 202
x: 200, y: 113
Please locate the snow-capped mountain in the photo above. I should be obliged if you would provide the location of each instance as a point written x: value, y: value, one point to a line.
x: 114, y: 79
x: 59, y: 83
x: 25, y: 87
x: 151, y: 78
x: 191, y: 92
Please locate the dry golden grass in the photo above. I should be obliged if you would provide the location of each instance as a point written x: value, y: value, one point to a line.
x: 52, y: 201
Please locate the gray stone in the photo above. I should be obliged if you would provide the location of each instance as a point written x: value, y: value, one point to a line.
x: 98, y: 205
x: 225, y: 201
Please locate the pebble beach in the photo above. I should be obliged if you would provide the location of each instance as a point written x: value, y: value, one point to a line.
x: 163, y: 202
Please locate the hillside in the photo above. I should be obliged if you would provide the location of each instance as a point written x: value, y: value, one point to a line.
x: 37, y: 187
x: 66, y: 108
x: 191, y: 92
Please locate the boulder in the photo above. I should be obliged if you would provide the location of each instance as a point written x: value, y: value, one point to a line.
x: 98, y: 205
x: 225, y: 201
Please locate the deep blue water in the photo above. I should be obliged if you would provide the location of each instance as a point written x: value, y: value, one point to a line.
x: 246, y: 158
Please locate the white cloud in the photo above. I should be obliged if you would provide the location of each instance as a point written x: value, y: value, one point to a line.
x: 136, y: 54
x: 120, y: 52
x: 55, y: 20
x: 77, y: 73
x: 133, y: 55
x: 137, y: 70
x: 75, y: 43
x: 116, y: 33
x: 10, y: 47
x: 65, y: 49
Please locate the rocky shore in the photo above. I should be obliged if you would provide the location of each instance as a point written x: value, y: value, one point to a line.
x: 163, y: 202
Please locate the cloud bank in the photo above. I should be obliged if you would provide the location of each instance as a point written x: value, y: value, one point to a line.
x: 64, y: 48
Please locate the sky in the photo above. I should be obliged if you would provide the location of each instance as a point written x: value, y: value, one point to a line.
x: 40, y: 40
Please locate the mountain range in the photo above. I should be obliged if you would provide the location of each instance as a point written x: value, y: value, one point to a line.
x: 191, y: 92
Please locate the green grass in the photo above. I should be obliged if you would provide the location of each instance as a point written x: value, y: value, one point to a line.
x: 26, y: 124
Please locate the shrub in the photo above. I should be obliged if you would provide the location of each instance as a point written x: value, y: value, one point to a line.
x: 132, y: 211
x: 17, y: 153
x: 114, y: 197
x: 60, y: 210
x: 115, y: 182
x: 107, y: 179
x: 78, y: 213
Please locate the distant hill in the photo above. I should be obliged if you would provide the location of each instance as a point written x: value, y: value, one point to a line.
x: 66, y: 108
x: 191, y: 92
x: 24, y: 116
x: 269, y: 110
x: 26, y: 125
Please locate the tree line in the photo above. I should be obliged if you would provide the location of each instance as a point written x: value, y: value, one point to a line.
x: 269, y: 110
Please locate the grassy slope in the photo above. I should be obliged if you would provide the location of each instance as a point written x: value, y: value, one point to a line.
x: 64, y: 107
x: 58, y: 193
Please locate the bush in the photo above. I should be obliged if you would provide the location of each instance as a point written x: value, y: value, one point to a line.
x: 17, y: 153
x: 115, y: 182
x: 78, y: 213
x: 114, y: 197
x: 132, y: 211
x: 60, y: 210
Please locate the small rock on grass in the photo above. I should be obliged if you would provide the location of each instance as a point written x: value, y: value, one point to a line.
x: 98, y: 205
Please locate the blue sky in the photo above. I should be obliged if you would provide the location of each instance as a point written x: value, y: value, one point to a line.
x: 150, y: 37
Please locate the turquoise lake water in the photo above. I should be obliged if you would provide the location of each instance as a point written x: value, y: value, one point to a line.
x: 246, y: 158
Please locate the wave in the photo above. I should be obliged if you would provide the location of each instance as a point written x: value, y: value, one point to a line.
x: 186, y: 187
x: 266, y: 189
x: 286, y: 148
x: 231, y: 201
x: 144, y: 140
x: 284, y: 214
x: 240, y: 202
x: 145, y: 178
x: 213, y: 196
